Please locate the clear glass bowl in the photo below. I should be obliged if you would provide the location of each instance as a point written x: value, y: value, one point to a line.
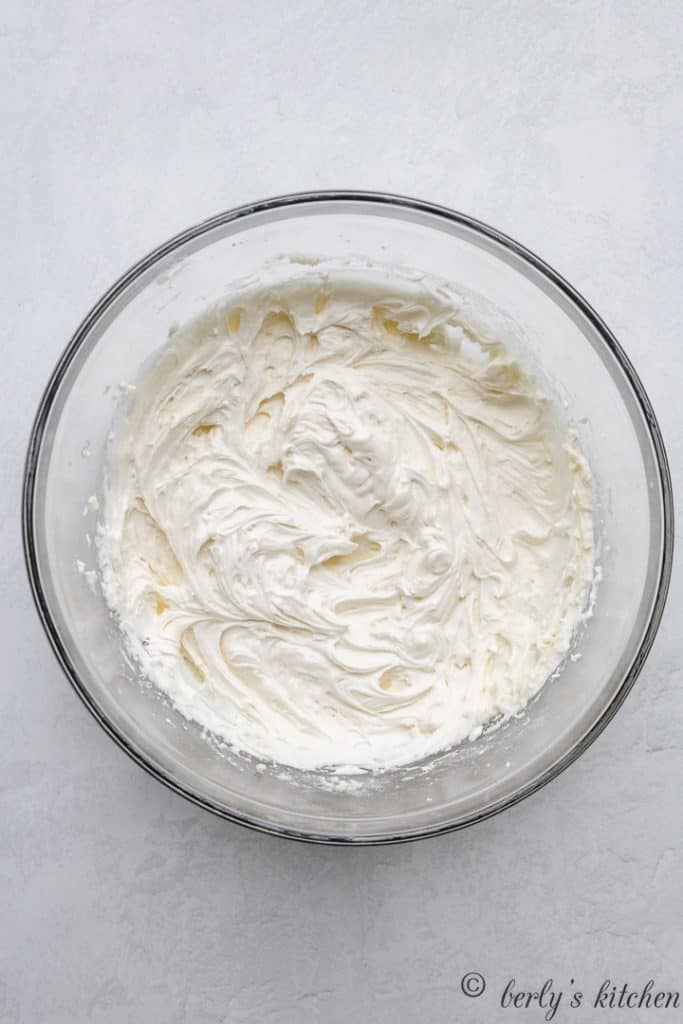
x: 572, y: 346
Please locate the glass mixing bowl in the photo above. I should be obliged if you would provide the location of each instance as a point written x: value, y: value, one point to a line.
x: 573, y: 348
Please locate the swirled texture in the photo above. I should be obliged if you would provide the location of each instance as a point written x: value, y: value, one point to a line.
x: 343, y: 526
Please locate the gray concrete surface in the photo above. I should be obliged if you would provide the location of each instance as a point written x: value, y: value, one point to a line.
x: 562, y: 124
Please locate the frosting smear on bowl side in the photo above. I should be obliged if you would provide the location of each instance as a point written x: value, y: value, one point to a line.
x: 343, y: 525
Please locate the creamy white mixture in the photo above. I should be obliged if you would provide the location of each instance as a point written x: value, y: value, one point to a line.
x: 343, y: 525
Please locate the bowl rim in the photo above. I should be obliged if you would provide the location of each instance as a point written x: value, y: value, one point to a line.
x: 401, y: 202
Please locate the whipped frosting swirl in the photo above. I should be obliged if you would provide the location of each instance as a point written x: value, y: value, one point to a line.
x: 343, y: 525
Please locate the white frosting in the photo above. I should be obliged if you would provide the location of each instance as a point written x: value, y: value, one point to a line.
x: 343, y: 526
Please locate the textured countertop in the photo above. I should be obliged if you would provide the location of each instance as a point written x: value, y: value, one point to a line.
x: 561, y: 124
